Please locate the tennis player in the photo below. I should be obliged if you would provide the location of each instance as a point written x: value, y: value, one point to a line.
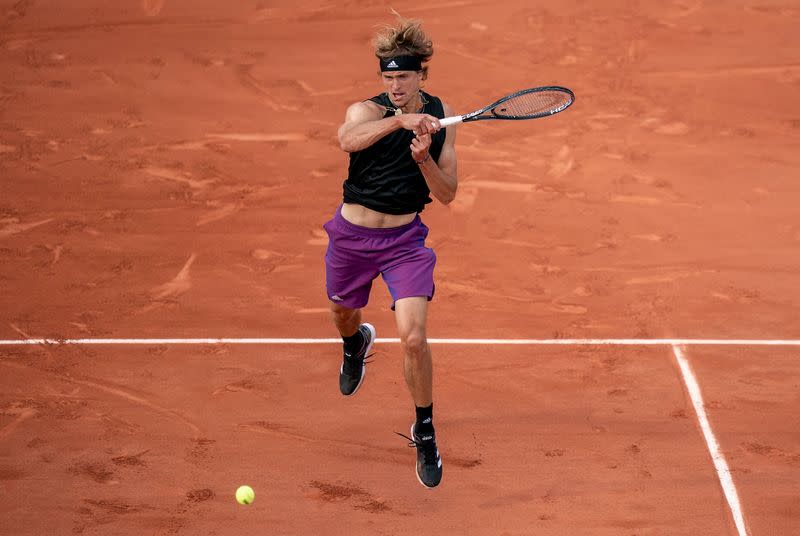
x: 399, y: 157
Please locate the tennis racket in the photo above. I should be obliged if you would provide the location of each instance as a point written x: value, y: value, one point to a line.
x: 526, y: 104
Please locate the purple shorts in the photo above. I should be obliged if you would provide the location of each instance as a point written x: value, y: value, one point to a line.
x: 356, y: 255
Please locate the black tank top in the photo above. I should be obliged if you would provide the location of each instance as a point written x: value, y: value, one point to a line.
x: 384, y: 176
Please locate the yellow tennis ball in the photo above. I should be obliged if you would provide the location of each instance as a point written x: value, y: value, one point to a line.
x: 245, y: 495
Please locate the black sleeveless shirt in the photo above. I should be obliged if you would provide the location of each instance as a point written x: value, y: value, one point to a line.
x: 384, y: 176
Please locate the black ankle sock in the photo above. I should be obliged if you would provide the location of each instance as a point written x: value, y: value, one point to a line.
x: 354, y: 343
x: 424, y: 422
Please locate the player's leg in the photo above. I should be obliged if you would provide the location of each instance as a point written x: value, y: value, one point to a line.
x: 348, y: 279
x: 357, y: 339
x: 411, y: 315
x: 345, y: 319
x: 409, y: 276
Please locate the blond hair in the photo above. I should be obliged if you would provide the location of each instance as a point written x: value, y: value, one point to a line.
x: 407, y: 39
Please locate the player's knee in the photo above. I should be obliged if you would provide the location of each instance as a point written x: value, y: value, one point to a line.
x: 415, y: 344
x: 342, y: 313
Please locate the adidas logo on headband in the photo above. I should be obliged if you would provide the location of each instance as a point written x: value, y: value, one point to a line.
x: 401, y: 63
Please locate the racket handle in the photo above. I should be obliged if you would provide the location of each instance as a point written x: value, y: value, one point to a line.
x: 447, y: 121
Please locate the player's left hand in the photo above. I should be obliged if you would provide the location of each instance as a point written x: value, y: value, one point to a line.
x: 419, y: 147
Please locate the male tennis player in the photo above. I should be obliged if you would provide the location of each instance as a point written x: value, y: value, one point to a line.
x: 399, y: 156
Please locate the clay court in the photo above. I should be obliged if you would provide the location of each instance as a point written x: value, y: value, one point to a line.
x: 165, y: 170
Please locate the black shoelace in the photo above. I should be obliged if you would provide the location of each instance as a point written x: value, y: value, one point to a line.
x: 428, y: 448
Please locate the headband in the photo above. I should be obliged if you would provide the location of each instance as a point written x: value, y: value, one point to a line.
x: 401, y: 63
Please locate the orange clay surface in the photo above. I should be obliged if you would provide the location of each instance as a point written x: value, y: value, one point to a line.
x: 165, y: 169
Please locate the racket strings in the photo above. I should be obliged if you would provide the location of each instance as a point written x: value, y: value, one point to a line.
x: 534, y: 104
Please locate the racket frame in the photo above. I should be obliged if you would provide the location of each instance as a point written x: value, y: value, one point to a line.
x: 477, y: 115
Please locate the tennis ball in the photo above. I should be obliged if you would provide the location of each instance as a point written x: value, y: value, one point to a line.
x: 245, y: 495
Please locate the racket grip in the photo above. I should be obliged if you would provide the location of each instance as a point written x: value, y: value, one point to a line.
x: 447, y: 121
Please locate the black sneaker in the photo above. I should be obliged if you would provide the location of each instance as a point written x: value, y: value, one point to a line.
x: 429, y: 463
x: 351, y: 373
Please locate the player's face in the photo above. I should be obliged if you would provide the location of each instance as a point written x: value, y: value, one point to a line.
x: 402, y: 86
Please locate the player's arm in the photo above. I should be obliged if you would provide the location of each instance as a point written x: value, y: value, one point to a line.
x: 442, y: 177
x: 364, y: 125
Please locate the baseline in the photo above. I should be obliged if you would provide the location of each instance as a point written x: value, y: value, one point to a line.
x: 518, y: 342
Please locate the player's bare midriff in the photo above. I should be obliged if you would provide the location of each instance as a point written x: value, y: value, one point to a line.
x: 366, y: 217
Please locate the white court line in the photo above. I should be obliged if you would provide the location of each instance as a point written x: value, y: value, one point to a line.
x: 723, y: 472
x: 497, y: 342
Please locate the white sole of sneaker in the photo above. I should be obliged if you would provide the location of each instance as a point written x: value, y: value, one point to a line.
x: 373, y: 336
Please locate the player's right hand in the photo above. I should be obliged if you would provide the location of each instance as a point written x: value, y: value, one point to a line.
x: 420, y: 124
